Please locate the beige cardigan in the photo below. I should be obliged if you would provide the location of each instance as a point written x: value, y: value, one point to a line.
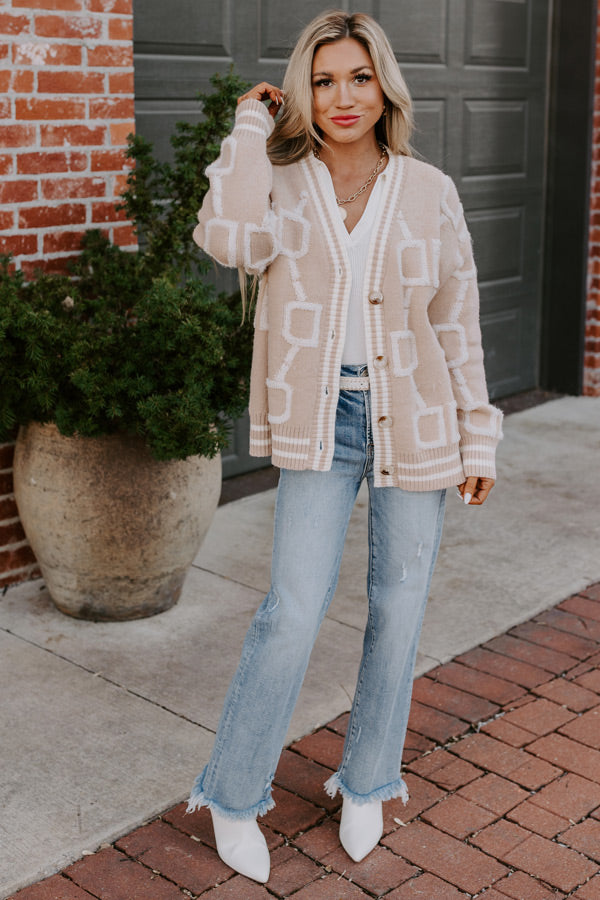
x: 432, y: 421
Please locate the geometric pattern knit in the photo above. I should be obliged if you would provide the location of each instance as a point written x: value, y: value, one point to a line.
x: 432, y: 422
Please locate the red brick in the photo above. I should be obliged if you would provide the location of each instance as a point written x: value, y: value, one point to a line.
x: 519, y: 886
x: 532, y: 817
x: 317, y: 842
x: 119, y: 132
x: 84, y: 27
x: 585, y: 838
x: 539, y: 717
x: 51, y: 216
x: 500, y: 838
x: 569, y: 755
x: 534, y: 773
x: 34, y: 108
x: 589, y: 891
x: 565, y: 621
x: 545, y: 859
x: 34, y: 163
x: 415, y: 745
x: 110, y: 55
x: 380, y: 871
x: 116, y: 7
x: 120, y: 29
x: 302, y: 776
x: 322, y: 746
x: 291, y: 813
x: 238, y: 888
x: 494, y: 793
x: 590, y: 680
x: 592, y: 592
x: 585, y: 728
x: 70, y: 82
x: 431, y: 762
x: 111, y: 108
x: 46, y: 53
x: 19, y: 244
x: 177, y: 856
x: 22, y: 82
x: 560, y: 641
x: 121, y: 83
x: 17, y: 135
x: 109, y: 161
x: 490, y: 754
x: 7, y: 219
x: 531, y: 653
x: 7, y: 164
x: 426, y: 887
x: 110, y: 875
x: 332, y: 887
x: 11, y: 534
x: 295, y: 873
x: 106, y: 212
x: 570, y: 796
x: 16, y: 558
x: 458, y: 816
x: 73, y: 135
x: 10, y: 24
x: 584, y: 606
x: 124, y: 236
x: 197, y: 824
x: 568, y: 694
x: 509, y: 734
x: 8, y: 508
x: 434, y: 724
x: 18, y: 191
x: 453, y: 701
x: 54, y: 888
x: 57, y: 265
x: 421, y: 795
x: 444, y: 856
x: 73, y: 188
x: 504, y: 667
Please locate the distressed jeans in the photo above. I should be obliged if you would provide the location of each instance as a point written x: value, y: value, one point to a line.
x: 311, y: 518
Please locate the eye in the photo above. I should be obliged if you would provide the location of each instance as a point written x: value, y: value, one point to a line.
x: 363, y: 78
x: 322, y: 82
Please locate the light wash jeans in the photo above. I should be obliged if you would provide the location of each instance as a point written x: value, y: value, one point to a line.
x: 311, y: 519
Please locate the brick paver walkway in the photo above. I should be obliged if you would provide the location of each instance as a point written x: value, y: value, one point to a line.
x: 503, y: 767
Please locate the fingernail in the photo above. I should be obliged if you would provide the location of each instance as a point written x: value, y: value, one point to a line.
x: 459, y: 495
x: 467, y: 499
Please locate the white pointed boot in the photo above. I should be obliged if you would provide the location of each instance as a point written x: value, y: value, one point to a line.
x: 361, y: 827
x: 242, y: 846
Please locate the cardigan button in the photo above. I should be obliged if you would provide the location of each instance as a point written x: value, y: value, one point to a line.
x: 380, y: 362
x: 385, y: 472
x: 375, y: 297
x: 385, y: 421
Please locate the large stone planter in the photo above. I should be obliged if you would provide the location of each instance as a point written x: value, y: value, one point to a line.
x: 114, y: 531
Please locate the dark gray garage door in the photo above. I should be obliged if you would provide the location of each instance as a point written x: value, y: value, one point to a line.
x: 477, y: 70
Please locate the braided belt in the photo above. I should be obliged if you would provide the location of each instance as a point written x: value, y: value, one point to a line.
x: 349, y: 383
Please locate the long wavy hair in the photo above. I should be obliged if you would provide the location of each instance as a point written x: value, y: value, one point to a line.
x: 295, y: 134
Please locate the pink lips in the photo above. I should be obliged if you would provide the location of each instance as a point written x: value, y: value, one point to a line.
x: 345, y: 120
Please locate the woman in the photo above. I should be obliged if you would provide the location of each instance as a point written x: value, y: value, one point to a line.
x: 367, y: 364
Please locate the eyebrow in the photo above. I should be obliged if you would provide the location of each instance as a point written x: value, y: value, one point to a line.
x: 352, y: 71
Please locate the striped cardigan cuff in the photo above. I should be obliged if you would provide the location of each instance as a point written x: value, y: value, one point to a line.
x: 479, y: 457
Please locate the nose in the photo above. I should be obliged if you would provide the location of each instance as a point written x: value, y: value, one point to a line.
x: 344, y: 97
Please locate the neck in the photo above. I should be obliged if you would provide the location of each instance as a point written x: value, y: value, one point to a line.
x: 352, y: 156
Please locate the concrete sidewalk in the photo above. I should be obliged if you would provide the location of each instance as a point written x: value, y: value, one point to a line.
x: 105, y: 725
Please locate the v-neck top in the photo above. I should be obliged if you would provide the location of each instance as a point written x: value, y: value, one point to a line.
x: 357, y: 246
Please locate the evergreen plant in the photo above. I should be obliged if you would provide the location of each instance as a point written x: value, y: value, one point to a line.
x: 136, y: 342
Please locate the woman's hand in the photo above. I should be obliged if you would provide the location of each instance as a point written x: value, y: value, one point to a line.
x: 266, y: 91
x: 474, y: 490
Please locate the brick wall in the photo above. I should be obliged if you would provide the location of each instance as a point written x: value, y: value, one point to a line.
x: 591, y: 377
x: 66, y: 108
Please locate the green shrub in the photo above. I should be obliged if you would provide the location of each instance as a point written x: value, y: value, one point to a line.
x: 134, y: 341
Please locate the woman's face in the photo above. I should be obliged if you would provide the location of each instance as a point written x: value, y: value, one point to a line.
x: 347, y: 96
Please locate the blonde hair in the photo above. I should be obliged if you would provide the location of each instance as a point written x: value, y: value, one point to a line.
x: 295, y: 135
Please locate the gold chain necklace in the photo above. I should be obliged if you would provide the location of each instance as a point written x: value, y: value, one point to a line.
x: 369, y: 181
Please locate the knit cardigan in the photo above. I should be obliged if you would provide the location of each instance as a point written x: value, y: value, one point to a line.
x: 432, y: 423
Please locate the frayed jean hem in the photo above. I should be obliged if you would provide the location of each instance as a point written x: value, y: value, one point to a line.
x: 198, y: 799
x: 389, y: 791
